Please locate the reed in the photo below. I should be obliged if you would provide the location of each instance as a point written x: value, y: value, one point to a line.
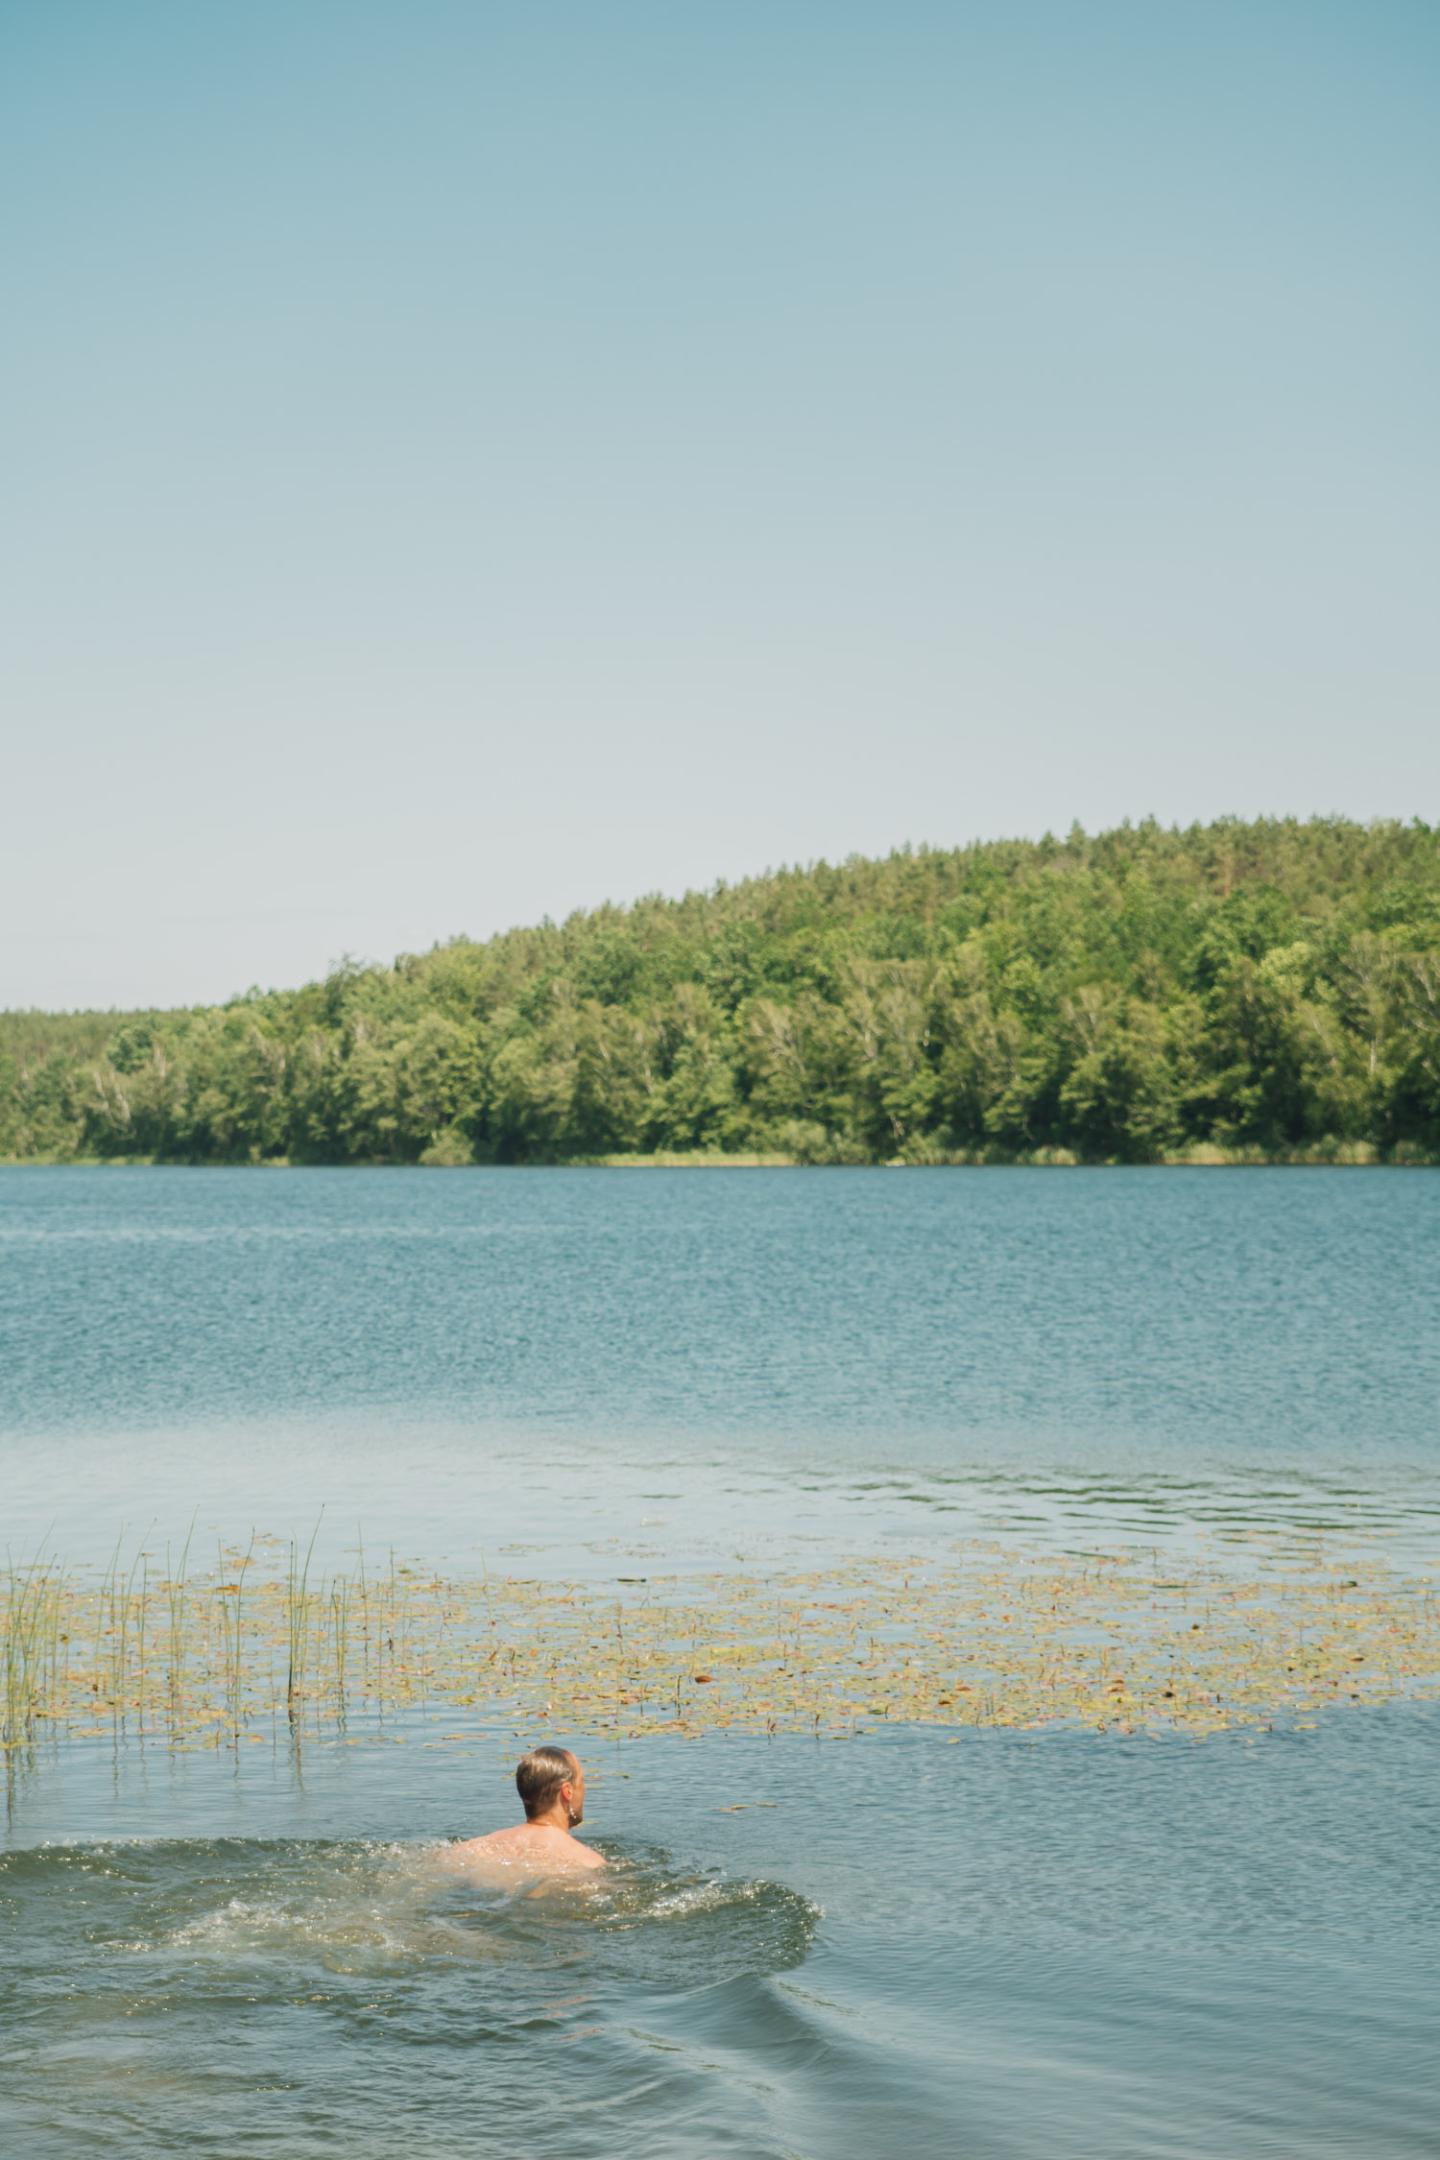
x: 230, y: 1607
x: 340, y: 1640
x: 297, y: 1612
x: 992, y: 1638
x: 141, y: 1617
x: 33, y: 1612
x: 107, y: 1637
x: 177, y: 1608
x: 363, y: 1592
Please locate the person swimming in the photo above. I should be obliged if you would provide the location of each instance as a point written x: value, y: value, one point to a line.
x: 551, y: 1785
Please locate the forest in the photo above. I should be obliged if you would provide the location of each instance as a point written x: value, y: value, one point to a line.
x: 1237, y: 991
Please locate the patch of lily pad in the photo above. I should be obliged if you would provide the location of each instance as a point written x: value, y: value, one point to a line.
x: 985, y: 1636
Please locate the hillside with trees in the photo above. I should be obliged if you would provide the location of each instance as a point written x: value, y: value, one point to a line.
x: 1236, y: 990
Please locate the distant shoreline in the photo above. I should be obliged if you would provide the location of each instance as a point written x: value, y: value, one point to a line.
x: 1344, y: 1155
x: 1231, y: 994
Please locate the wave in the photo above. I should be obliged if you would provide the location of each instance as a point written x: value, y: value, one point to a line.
x: 280, y: 1907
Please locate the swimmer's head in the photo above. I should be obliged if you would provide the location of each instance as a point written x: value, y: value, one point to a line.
x: 547, y: 1775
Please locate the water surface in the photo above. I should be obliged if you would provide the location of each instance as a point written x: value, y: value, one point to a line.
x: 463, y: 1359
x: 1058, y: 1943
x: 1016, y: 1945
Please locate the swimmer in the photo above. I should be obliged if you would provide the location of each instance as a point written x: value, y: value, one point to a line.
x: 551, y: 1785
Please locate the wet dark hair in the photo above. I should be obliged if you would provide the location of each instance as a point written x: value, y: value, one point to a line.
x: 539, y: 1776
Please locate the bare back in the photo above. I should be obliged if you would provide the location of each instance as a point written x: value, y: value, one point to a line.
x: 527, y: 1851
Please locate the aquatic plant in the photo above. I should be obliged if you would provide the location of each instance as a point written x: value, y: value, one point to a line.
x: 989, y: 1635
x: 174, y: 1588
x: 297, y: 1614
x: 33, y: 1636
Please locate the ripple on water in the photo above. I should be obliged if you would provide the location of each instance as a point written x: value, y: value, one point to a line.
x: 280, y: 1912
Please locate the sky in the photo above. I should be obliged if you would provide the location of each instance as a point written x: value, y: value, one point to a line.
x: 469, y: 461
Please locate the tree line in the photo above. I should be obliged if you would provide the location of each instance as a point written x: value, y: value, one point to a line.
x: 1268, y: 988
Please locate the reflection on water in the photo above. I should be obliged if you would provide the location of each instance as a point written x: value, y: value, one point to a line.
x: 1401, y: 1506
x: 457, y: 1498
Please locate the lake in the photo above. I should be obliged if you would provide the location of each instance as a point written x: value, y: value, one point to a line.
x: 981, y: 1941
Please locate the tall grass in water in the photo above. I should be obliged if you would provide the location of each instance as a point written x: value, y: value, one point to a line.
x: 177, y: 1646
x: 363, y: 1589
x: 1019, y: 1639
x: 109, y: 1653
x: 34, y: 1609
x: 232, y: 1638
x: 340, y: 1640
x: 297, y: 1610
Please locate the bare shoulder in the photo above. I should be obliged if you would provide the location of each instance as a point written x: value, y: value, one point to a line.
x: 496, y: 1850
x: 559, y: 1854
x: 493, y: 1841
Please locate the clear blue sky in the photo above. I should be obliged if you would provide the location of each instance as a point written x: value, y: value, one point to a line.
x: 468, y: 461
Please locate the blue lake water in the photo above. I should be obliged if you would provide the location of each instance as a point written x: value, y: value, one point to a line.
x: 1002, y: 1944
